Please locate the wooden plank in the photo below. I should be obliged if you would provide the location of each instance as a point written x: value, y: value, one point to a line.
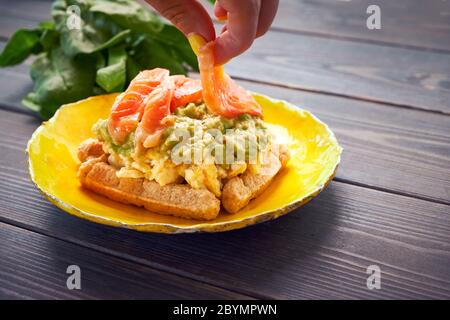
x: 414, y: 23
x: 22, y: 14
x: 320, y: 251
x: 33, y: 266
x: 401, y: 150
x: 405, y: 151
x: 394, y: 75
x: 15, y: 83
x: 31, y: 10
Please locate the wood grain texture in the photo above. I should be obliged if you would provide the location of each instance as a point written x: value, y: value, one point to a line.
x: 22, y: 14
x: 33, y: 266
x: 15, y: 84
x: 320, y: 251
x: 405, y: 151
x: 417, y: 23
x: 394, y: 75
x: 30, y: 9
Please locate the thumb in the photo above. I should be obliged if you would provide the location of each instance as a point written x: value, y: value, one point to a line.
x: 189, y: 16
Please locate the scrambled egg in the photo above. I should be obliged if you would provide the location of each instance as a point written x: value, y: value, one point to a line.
x: 194, y: 148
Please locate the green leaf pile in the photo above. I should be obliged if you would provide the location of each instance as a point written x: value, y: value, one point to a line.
x: 113, y: 40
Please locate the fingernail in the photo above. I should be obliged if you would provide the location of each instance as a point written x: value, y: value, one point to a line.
x: 196, y: 41
x: 222, y: 18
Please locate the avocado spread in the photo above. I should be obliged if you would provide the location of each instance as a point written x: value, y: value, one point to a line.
x: 207, y: 131
x: 192, y: 128
x: 100, y: 130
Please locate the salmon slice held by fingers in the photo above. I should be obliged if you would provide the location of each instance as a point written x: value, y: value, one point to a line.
x: 221, y: 94
x: 129, y: 106
x: 157, y: 107
x: 186, y: 90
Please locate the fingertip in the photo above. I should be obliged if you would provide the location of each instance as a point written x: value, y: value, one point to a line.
x: 189, y: 16
x: 222, y: 19
x: 266, y: 16
x: 207, y: 32
x: 262, y: 31
x: 203, y: 25
x: 219, y: 11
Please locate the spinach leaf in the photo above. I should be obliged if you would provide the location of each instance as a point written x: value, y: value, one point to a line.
x: 149, y: 54
x: 75, y: 42
x: 112, y: 77
x: 59, y: 79
x: 20, y: 46
x: 49, y: 39
x: 128, y: 14
x: 89, y: 34
x: 176, y: 41
x: 133, y: 68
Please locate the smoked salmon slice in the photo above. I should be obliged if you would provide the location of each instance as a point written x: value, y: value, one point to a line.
x: 157, y: 107
x: 221, y: 94
x: 186, y: 90
x: 128, y: 107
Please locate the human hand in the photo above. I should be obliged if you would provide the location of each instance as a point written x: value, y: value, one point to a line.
x: 246, y: 20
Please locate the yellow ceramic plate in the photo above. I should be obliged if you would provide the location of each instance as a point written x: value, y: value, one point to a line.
x: 53, y: 163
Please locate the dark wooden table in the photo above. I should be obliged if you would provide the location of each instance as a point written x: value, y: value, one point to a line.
x: 385, y: 93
